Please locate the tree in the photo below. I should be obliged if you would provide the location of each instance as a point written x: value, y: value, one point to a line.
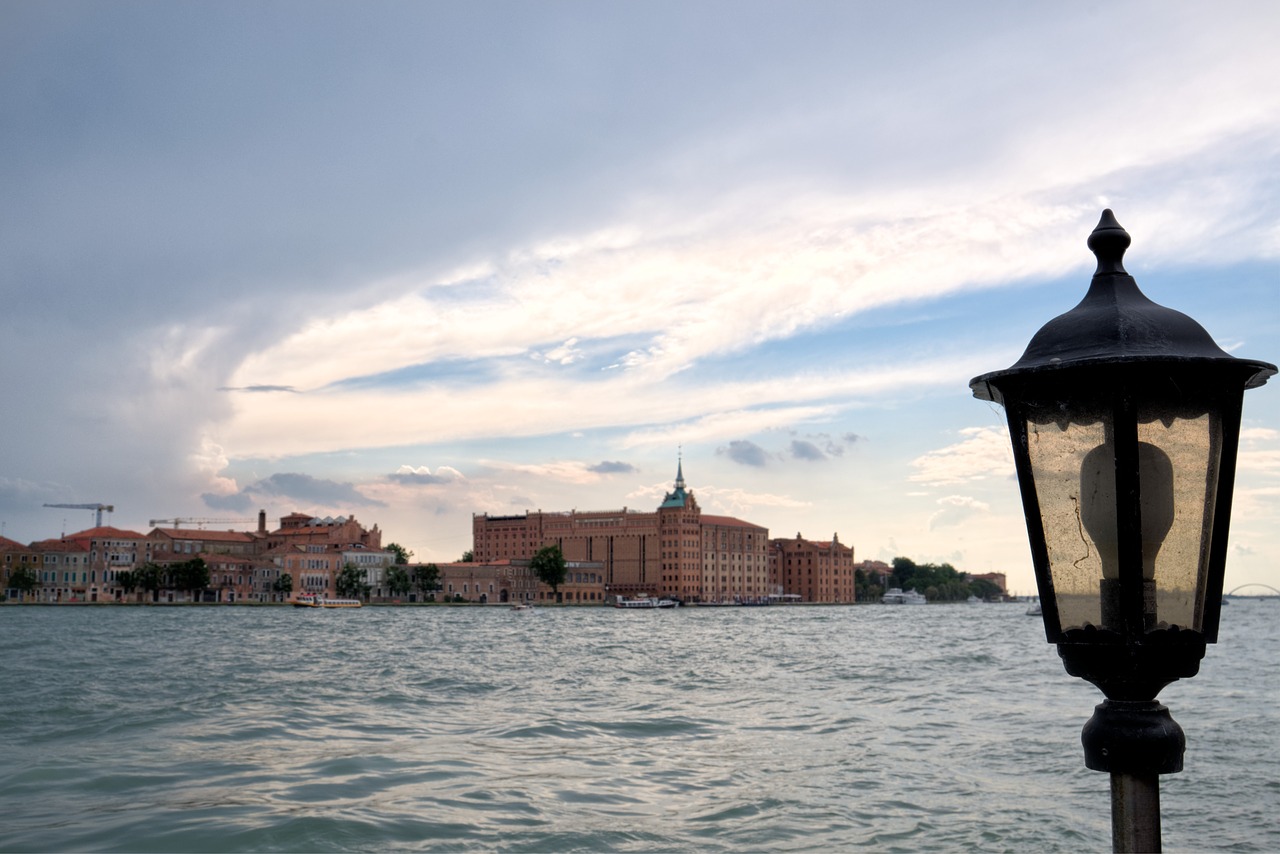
x: 283, y: 585
x: 549, y: 567
x: 127, y: 580
x: 402, y: 554
x: 468, y: 557
x: 938, y: 582
x: 191, y: 575
x: 24, y: 579
x: 398, y: 581
x: 150, y: 577
x: 351, y: 584
x: 428, y: 579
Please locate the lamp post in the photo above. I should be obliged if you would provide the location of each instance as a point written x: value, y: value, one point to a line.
x: 1125, y: 419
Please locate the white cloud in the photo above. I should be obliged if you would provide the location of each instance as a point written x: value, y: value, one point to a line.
x: 956, y: 510
x: 983, y: 453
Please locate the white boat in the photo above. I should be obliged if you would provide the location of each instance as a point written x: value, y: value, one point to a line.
x: 1034, y: 610
x: 645, y: 602
x: 309, y: 600
x: 896, y: 596
x: 522, y: 606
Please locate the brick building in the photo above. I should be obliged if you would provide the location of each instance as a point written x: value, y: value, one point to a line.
x: 672, y: 551
x: 816, y: 571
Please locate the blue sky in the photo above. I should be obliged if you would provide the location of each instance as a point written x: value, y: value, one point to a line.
x: 415, y: 261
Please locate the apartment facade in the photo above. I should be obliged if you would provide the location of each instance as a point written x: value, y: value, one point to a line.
x: 243, y: 565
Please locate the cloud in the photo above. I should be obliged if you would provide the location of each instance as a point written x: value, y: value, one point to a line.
x: 983, y: 453
x: 741, y: 502
x: 566, y: 354
x: 956, y: 510
x: 607, y: 467
x: 301, y: 488
x: 18, y: 495
x: 261, y: 389
x: 422, y: 475
x: 745, y: 452
x: 802, y: 450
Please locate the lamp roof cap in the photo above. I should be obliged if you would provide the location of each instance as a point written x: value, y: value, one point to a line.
x: 1116, y: 323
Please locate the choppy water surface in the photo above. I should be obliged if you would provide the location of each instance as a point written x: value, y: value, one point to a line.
x: 469, y: 729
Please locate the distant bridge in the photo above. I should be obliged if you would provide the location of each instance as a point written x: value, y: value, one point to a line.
x: 1273, y: 591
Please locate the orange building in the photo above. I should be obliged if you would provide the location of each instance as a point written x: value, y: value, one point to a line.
x: 816, y: 571
x: 672, y: 551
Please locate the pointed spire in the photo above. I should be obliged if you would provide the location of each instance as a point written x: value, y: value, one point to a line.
x: 680, y: 469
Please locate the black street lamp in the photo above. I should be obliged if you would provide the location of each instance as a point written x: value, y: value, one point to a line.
x: 1125, y: 419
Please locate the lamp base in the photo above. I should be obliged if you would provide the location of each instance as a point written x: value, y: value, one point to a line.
x: 1136, y: 737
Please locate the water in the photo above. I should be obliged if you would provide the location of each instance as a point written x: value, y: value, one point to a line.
x: 696, y: 730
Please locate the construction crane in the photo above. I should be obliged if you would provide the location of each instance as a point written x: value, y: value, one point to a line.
x: 110, y: 508
x: 199, y: 523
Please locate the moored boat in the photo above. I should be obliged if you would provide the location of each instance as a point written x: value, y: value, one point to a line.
x: 311, y: 600
x: 896, y: 596
x: 645, y: 602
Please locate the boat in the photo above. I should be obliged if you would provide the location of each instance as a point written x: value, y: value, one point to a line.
x: 311, y: 600
x: 645, y: 602
x: 522, y: 606
x: 1034, y: 610
x: 896, y: 596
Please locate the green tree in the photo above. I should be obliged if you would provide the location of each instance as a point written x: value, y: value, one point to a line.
x: 549, y: 567
x: 191, y: 575
x: 402, y: 554
x: 351, y: 583
x: 468, y: 556
x: 398, y: 581
x: 428, y: 579
x: 939, y: 582
x: 151, y: 578
x: 127, y: 580
x: 283, y: 585
x: 985, y: 589
x: 24, y: 579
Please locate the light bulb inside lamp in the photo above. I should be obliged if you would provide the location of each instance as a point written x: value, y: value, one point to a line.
x: 1098, y: 512
x: 1098, y: 509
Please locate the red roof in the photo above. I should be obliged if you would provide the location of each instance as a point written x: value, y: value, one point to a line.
x: 196, y: 534
x: 105, y: 532
x: 729, y: 521
x: 63, y: 545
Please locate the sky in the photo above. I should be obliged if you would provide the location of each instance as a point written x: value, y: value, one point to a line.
x: 411, y: 262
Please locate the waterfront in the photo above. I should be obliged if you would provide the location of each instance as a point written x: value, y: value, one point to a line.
x: 593, y: 729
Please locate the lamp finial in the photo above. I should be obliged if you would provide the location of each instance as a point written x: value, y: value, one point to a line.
x: 1108, y: 242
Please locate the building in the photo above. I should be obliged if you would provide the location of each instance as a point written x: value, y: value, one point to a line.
x: 13, y: 557
x: 497, y: 581
x: 816, y: 571
x: 996, y: 578
x: 84, y: 566
x: 672, y: 551
x: 243, y: 565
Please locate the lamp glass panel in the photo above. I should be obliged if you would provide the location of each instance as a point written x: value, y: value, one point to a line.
x: 1057, y: 450
x: 1179, y: 564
